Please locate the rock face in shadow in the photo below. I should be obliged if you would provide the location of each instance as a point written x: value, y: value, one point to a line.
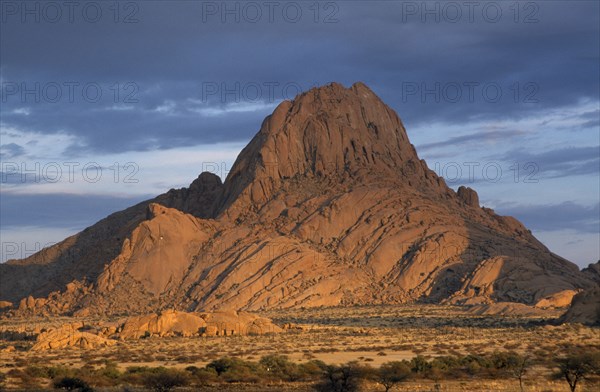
x: 585, y: 308
x: 329, y: 204
x: 592, y: 272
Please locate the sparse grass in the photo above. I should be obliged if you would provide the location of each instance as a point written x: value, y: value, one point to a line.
x: 368, y: 334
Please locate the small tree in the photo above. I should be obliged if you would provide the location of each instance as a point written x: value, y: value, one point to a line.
x: 165, y: 380
x: 391, y: 373
x: 221, y: 365
x: 577, y: 366
x: 519, y: 367
x: 344, y: 378
x: 72, y: 384
x: 511, y: 363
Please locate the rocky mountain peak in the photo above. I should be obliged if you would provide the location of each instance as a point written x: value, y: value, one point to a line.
x: 328, y: 205
x: 346, y: 134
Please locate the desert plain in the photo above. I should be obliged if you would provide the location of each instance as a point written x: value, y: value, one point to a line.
x: 367, y: 335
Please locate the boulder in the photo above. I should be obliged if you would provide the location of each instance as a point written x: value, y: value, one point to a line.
x: 562, y: 299
x: 228, y: 323
x: 69, y: 335
x: 167, y: 323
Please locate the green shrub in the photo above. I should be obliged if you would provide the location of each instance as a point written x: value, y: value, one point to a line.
x: 281, y: 368
x: 311, y: 370
x: 344, y: 378
x: 446, y: 365
x: 49, y: 372
x: 110, y: 371
x: 202, y: 376
x: 237, y: 370
x: 165, y: 380
x: 419, y: 365
x: 72, y: 384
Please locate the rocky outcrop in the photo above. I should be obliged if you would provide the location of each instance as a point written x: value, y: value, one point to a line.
x: 329, y: 204
x: 562, y: 299
x: 174, y: 323
x: 228, y: 323
x: 585, y: 308
x: 200, y: 199
x: 159, y: 251
x: 468, y: 196
x: 167, y: 323
x: 70, y: 335
x: 592, y: 272
x: 164, y: 324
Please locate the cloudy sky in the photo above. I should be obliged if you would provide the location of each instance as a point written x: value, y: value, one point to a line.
x: 104, y: 104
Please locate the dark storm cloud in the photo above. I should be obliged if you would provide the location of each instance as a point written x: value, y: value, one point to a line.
x: 567, y: 215
x: 59, y: 210
x: 564, y: 162
x: 429, y: 72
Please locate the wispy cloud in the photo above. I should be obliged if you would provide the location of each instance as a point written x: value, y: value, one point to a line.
x: 168, y: 107
x: 22, y: 111
x: 120, y: 108
x: 237, y: 107
x: 50, y: 146
x: 478, y: 137
x: 563, y: 162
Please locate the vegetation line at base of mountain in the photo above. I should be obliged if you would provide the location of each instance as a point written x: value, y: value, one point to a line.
x: 572, y: 367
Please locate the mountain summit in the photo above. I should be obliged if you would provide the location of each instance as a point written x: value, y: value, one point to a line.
x: 343, y: 134
x: 328, y: 204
